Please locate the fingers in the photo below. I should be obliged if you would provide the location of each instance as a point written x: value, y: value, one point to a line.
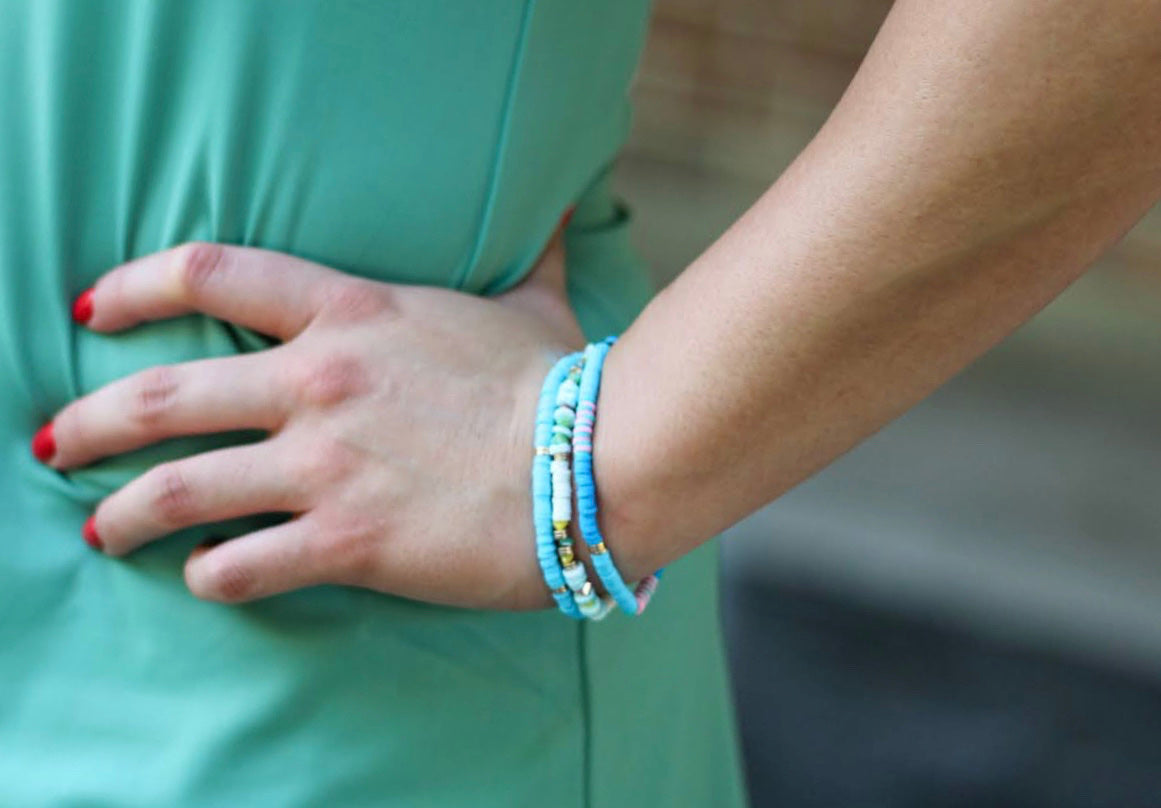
x: 208, y: 395
x: 270, y: 292
x: 270, y: 561
x: 209, y: 487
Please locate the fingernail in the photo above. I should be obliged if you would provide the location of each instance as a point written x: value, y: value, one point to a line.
x: 43, y: 443
x: 83, y: 307
x: 567, y: 217
x: 89, y: 533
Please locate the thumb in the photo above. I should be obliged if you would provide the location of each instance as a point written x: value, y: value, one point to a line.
x: 544, y: 293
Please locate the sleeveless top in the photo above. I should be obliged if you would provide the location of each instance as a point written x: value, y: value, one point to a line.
x: 409, y: 141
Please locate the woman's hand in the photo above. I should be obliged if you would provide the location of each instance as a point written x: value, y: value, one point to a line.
x: 400, y: 427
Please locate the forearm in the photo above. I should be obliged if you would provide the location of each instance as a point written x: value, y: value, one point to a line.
x: 984, y: 155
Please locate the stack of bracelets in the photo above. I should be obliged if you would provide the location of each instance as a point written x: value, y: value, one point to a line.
x: 564, y: 430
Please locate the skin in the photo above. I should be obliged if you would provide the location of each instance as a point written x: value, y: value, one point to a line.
x: 387, y: 408
x: 985, y: 154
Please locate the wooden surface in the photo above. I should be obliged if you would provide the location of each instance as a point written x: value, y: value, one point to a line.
x: 734, y: 89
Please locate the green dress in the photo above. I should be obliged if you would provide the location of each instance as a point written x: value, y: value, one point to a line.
x: 412, y: 141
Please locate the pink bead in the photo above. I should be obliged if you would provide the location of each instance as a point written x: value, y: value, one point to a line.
x: 644, y: 592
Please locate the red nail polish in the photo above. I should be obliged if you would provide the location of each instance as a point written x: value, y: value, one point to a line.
x: 567, y: 217
x: 43, y: 443
x: 89, y: 533
x: 83, y: 307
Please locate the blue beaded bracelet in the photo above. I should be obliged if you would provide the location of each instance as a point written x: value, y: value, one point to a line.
x: 631, y: 602
x: 560, y: 451
x: 542, y: 489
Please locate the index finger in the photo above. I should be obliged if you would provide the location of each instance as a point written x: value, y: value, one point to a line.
x: 270, y: 292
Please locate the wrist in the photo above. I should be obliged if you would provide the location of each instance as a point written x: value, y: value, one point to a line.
x: 632, y: 516
x: 578, y: 561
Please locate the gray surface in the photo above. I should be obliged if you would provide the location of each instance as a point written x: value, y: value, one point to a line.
x: 843, y: 706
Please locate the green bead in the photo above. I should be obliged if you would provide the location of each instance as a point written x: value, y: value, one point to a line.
x: 565, y: 417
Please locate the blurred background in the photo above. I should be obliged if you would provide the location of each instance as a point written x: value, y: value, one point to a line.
x: 966, y: 609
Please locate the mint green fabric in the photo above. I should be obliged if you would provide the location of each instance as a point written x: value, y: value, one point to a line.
x: 413, y: 141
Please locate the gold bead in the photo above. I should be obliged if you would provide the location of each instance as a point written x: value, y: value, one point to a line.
x: 543, y: 450
x: 598, y: 549
x: 560, y: 534
x: 560, y: 590
x: 560, y: 525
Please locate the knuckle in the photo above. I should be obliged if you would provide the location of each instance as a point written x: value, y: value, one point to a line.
x: 323, y: 462
x: 357, y: 299
x: 328, y: 380
x: 154, y: 395
x: 198, y: 264
x: 226, y: 579
x: 349, y: 550
x: 173, y: 500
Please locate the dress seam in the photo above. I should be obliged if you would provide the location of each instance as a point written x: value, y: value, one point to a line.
x: 505, y: 126
x: 586, y: 717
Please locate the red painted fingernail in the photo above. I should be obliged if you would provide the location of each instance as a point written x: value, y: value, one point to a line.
x: 89, y: 533
x: 83, y: 307
x: 567, y: 217
x: 43, y: 443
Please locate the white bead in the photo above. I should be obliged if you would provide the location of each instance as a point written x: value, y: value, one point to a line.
x: 605, y: 608
x: 590, y: 608
x: 567, y: 393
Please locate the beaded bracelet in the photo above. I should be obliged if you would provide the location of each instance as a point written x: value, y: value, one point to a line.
x: 632, y: 602
x: 552, y: 493
x: 560, y: 450
x: 546, y: 552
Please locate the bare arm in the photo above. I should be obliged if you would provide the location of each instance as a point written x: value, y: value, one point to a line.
x: 984, y: 155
